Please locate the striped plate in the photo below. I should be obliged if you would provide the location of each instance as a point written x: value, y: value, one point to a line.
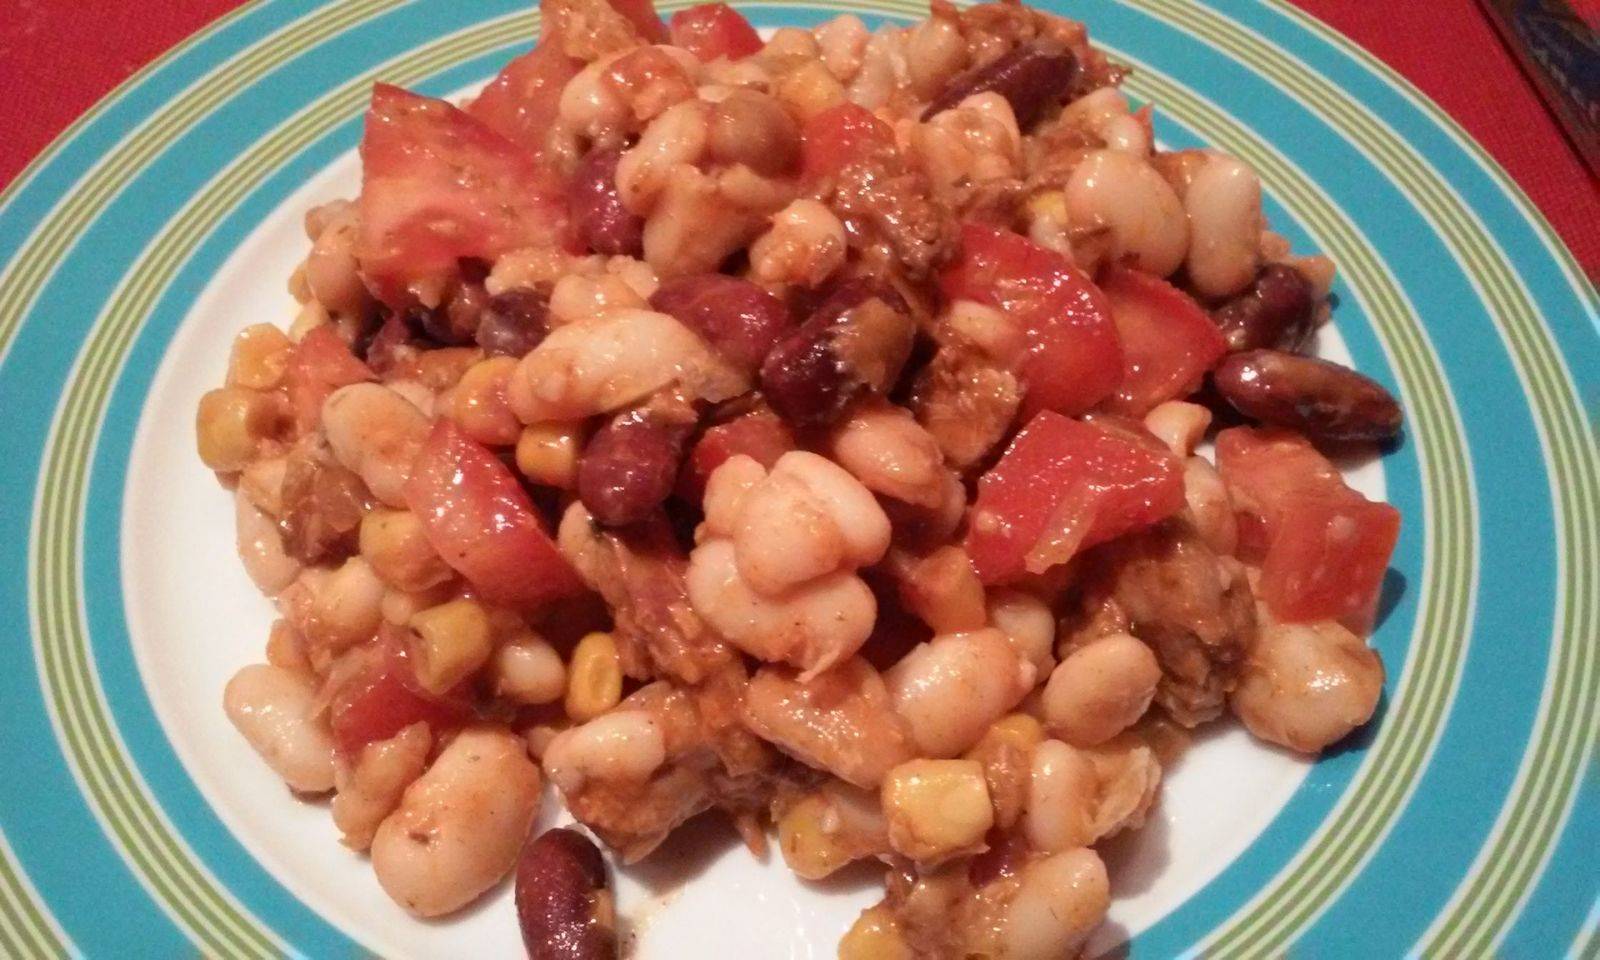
x: 136, y: 824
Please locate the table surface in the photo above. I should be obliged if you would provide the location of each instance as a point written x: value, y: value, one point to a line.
x: 57, y: 57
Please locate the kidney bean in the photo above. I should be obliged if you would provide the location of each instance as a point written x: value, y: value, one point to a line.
x: 513, y: 323
x: 1323, y: 400
x: 740, y: 320
x: 857, y: 340
x: 603, y: 223
x: 630, y: 465
x: 1276, y: 310
x: 379, y: 347
x: 1030, y: 77
x: 563, y: 903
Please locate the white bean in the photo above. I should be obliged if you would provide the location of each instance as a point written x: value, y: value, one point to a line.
x: 1127, y: 134
x: 331, y: 269
x: 459, y: 826
x: 375, y: 432
x: 812, y: 626
x: 807, y: 518
x: 1029, y: 624
x: 1178, y: 424
x: 1057, y: 905
x: 578, y: 297
x: 624, y: 745
x: 1126, y: 196
x: 842, y: 42
x: 261, y: 547
x: 1100, y: 689
x: 804, y: 245
x: 374, y: 786
x: 953, y: 687
x: 725, y: 493
x: 1224, y: 207
x: 1210, y: 506
x: 885, y: 448
x: 1307, y: 685
x: 695, y: 225
x: 611, y: 360
x: 276, y: 711
x: 675, y: 138
x: 1059, y: 811
x: 528, y: 670
x: 346, y: 603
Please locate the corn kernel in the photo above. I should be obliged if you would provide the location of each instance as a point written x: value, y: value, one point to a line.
x: 937, y: 809
x: 1049, y: 203
x: 452, y: 641
x: 594, y: 678
x: 547, y: 454
x: 231, y: 425
x: 875, y: 935
x: 259, y: 357
x: 478, y: 403
x: 1019, y: 730
x: 829, y: 828
x: 394, y: 543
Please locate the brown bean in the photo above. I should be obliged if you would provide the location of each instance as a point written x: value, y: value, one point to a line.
x: 752, y: 128
x: 1323, y: 400
x: 1277, y: 310
x: 1030, y: 77
x: 740, y: 320
x: 602, y: 222
x: 563, y: 903
x: 630, y: 465
x: 856, y: 341
x: 513, y: 323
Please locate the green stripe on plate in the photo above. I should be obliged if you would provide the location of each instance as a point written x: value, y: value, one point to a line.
x: 26, y: 927
x: 1531, y: 820
x: 202, y: 907
x: 26, y: 275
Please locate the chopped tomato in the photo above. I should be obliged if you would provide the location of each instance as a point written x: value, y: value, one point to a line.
x: 385, y: 698
x: 520, y: 104
x: 1168, y: 342
x: 838, y: 135
x: 1323, y: 547
x: 1073, y: 359
x: 760, y: 435
x: 320, y: 364
x: 642, y: 14
x: 438, y: 186
x: 1062, y: 486
x: 481, y: 521
x: 713, y: 30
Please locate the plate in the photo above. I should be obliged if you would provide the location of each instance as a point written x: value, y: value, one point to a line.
x: 134, y: 822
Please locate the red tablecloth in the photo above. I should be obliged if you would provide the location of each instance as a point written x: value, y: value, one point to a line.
x: 57, y: 57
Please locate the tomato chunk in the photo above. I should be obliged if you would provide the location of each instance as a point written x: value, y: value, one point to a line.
x: 385, y: 698
x: 838, y: 136
x: 1062, y: 486
x: 1168, y: 342
x: 761, y: 436
x: 320, y: 364
x: 438, y: 185
x: 1074, y: 359
x: 481, y: 521
x: 521, y: 102
x: 714, y: 30
x: 1323, y: 547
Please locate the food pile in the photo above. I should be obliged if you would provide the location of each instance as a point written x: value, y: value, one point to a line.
x: 802, y: 430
